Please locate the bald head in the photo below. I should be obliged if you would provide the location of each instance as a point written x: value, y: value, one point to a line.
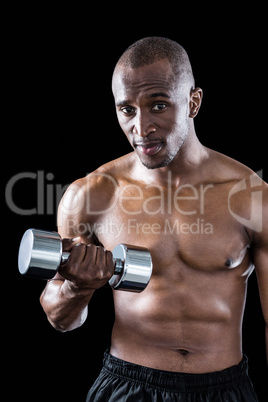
x: 151, y: 49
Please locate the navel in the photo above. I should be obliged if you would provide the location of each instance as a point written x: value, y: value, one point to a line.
x: 183, y: 352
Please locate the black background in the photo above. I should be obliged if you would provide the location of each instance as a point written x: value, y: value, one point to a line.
x: 60, y: 121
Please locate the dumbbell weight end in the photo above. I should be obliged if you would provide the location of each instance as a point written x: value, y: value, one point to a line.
x: 40, y: 253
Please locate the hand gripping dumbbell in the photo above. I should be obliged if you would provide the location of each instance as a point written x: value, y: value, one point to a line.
x: 40, y: 255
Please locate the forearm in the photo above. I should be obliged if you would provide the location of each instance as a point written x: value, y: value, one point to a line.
x: 65, y: 308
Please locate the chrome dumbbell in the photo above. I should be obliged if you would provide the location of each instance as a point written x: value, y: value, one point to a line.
x: 40, y: 255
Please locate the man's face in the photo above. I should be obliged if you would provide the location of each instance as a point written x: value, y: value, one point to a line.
x: 153, y: 111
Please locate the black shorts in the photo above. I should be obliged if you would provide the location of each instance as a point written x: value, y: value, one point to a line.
x: 128, y: 382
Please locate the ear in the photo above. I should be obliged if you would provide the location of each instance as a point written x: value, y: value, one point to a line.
x: 195, y: 101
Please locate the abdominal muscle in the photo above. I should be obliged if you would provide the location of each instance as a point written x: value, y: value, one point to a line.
x: 177, y: 329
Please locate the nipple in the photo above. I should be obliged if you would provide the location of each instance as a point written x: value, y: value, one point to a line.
x: 229, y: 262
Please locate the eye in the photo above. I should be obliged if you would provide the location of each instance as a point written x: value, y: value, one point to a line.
x: 127, y: 109
x: 159, y: 107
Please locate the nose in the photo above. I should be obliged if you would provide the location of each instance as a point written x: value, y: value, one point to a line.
x: 143, y: 124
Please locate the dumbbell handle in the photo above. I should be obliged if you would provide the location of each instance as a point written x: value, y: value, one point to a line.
x: 118, y: 263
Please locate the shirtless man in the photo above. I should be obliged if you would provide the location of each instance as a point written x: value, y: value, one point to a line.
x: 202, y: 215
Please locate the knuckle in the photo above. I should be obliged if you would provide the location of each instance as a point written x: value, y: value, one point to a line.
x: 101, y: 274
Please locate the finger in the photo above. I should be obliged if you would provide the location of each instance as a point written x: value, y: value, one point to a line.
x: 78, y: 253
x: 69, y: 269
x: 101, y: 257
x: 91, y: 255
x: 109, y: 258
x: 67, y: 244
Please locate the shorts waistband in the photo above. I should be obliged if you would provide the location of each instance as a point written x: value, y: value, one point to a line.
x: 174, y: 380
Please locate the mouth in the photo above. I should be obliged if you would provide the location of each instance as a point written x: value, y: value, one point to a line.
x: 149, y: 149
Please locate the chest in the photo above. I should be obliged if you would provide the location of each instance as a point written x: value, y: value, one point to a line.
x: 193, y: 227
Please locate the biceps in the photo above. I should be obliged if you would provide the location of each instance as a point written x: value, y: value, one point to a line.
x: 71, y: 224
x: 73, y: 218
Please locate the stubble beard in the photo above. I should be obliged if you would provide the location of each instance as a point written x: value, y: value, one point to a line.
x: 162, y: 164
x: 169, y: 158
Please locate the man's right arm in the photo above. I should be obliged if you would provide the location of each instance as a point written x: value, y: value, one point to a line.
x: 65, y: 309
x: 89, y: 267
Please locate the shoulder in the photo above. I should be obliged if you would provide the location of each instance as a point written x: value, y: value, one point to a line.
x: 227, y: 169
x: 239, y: 176
x: 86, y: 198
x: 246, y: 192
